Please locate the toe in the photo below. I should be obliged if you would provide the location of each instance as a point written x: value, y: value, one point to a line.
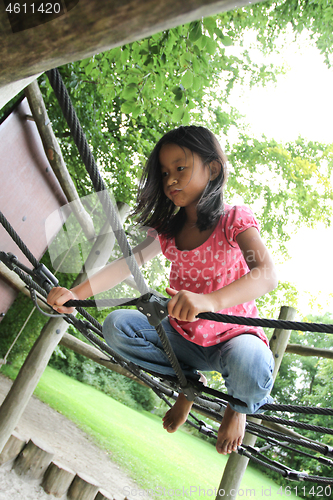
x: 221, y: 448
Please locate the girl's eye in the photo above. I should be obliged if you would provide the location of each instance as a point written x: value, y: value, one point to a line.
x: 180, y: 169
x: 164, y: 174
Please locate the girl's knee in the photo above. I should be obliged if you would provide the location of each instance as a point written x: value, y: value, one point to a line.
x: 248, y: 368
x: 112, y: 327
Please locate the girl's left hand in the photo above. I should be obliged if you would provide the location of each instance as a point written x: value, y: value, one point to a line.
x: 185, y: 305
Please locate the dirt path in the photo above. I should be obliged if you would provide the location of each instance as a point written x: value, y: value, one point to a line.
x: 72, y: 447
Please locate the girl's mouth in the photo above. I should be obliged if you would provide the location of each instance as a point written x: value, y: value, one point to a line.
x: 174, y: 192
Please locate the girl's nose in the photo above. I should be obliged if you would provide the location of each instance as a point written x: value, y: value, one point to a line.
x: 172, y: 181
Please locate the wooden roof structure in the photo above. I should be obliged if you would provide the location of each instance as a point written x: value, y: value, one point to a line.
x: 30, y: 46
x: 29, y: 191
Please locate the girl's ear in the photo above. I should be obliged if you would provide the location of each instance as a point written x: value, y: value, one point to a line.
x: 215, y: 169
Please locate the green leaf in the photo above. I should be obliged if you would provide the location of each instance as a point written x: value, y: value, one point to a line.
x: 197, y: 83
x: 158, y: 83
x: 124, y: 56
x: 88, y: 69
x: 136, y: 110
x: 129, y: 91
x: 196, y: 32
x: 178, y: 114
x: 85, y: 62
x: 127, y: 107
x: 201, y: 43
x: 187, y: 79
x: 211, y: 47
x: 226, y: 40
x: 186, y: 117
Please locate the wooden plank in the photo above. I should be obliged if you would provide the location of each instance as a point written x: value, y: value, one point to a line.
x: 92, y: 27
x: 10, y: 90
x: 29, y: 192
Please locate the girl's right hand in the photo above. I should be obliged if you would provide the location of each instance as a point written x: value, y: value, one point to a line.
x: 58, y: 296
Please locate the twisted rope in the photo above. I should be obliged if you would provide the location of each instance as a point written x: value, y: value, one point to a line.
x: 221, y: 318
x: 99, y: 186
x: 13, y: 234
x: 269, y: 323
x: 92, y: 169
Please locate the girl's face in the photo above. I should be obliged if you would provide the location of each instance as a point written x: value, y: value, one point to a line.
x: 184, y: 175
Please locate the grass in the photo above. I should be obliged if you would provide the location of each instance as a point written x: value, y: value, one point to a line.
x: 176, y: 464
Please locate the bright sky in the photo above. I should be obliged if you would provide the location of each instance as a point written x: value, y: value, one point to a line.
x: 301, y: 103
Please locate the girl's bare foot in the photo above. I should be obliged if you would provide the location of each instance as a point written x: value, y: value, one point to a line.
x: 231, y: 431
x: 177, y: 415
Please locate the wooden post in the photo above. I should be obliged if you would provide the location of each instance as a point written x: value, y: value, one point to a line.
x: 103, y: 495
x: 39, y: 356
x: 54, y: 155
x: 82, y: 488
x: 236, y: 464
x: 57, y: 479
x: 33, y: 460
x: 13, y: 447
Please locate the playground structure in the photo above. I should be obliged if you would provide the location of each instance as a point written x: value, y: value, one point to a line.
x: 54, y: 333
x: 12, y: 407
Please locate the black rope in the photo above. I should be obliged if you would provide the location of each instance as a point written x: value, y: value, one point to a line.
x: 275, y: 443
x: 99, y: 186
x: 294, y: 423
x: 221, y: 318
x: 13, y: 234
x: 269, y: 323
x: 311, y: 410
x: 259, y: 430
x: 92, y: 169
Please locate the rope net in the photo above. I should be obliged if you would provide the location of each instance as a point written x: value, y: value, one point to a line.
x: 207, y: 401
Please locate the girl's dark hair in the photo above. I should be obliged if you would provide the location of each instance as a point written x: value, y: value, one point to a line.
x: 155, y: 210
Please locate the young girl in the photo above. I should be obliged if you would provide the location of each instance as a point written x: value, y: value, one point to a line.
x: 219, y: 264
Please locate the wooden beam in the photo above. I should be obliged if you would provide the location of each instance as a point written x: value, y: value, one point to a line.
x: 28, y: 377
x: 15, y: 281
x: 302, y: 350
x: 90, y: 27
x: 7, y: 92
x: 54, y: 156
x: 96, y: 355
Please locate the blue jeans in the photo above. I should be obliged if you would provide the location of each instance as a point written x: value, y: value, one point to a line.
x: 245, y: 362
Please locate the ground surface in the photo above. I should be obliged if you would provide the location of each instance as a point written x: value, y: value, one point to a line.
x: 72, y: 447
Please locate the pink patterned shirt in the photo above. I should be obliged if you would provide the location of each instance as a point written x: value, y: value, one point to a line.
x: 209, y: 267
